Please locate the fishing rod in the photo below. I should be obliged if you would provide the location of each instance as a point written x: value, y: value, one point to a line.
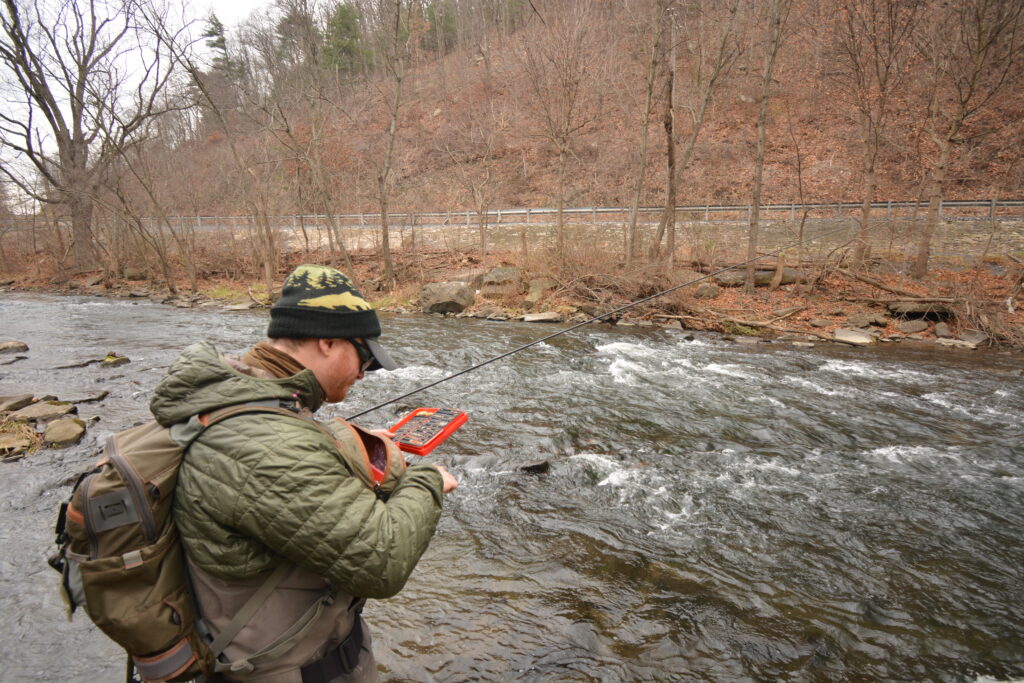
x: 593, y: 319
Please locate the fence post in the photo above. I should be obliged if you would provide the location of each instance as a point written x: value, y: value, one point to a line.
x: 499, y: 216
x: 992, y: 210
x: 528, y: 215
x: 940, y: 208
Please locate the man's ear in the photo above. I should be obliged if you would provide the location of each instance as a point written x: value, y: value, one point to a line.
x: 325, y: 346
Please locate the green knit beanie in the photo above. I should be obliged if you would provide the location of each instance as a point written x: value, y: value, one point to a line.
x: 322, y: 303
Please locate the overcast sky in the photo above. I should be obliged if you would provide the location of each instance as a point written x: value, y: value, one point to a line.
x: 230, y: 12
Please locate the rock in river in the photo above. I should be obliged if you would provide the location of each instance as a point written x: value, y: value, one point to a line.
x: 44, y: 411
x: 446, y: 297
x: 13, y: 347
x: 66, y: 431
x: 855, y: 337
x: 15, y: 402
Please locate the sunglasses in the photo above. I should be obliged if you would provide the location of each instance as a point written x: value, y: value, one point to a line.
x: 365, y: 355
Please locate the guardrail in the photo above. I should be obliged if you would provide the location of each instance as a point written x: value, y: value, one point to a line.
x: 994, y: 207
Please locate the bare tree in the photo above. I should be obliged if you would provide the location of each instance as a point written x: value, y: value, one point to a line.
x: 871, y: 39
x: 972, y: 50
x: 559, y: 72
x: 395, y: 39
x: 655, y: 27
x: 777, y: 16
x: 712, y: 48
x: 86, y: 76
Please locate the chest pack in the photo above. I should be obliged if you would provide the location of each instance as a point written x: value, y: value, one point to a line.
x: 122, y: 562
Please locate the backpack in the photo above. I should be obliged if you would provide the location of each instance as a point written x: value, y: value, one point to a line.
x: 121, y: 559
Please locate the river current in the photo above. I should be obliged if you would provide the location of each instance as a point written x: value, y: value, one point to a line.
x: 710, y: 511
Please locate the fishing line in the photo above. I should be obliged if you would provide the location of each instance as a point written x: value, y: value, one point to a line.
x: 595, y: 318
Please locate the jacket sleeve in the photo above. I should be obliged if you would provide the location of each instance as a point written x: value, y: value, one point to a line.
x: 299, y: 499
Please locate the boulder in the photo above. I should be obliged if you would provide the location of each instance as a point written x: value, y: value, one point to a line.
x: 15, y: 402
x: 135, y: 274
x: 973, y: 337
x: 138, y: 294
x: 501, y: 282
x: 13, y: 347
x: 538, y: 288
x: 546, y: 317
x: 912, y: 326
x: 66, y: 431
x: 446, y: 297
x: 474, y: 278
x: 762, y: 278
x: 943, y: 331
x: 819, y: 322
x: 803, y: 344
x: 240, y: 307
x: 6, y: 282
x: 785, y: 312
x: 919, y: 308
x: 707, y: 290
x: 866, y: 319
x: 44, y: 411
x: 855, y: 337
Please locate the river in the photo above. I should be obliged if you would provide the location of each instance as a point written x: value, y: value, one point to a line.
x: 712, y: 511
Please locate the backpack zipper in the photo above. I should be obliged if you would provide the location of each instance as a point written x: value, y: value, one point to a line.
x: 135, y: 488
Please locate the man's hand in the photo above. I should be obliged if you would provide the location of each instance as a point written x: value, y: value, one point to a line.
x: 450, y: 482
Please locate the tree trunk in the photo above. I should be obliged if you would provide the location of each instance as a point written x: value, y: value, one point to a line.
x: 84, y: 250
x: 762, y: 123
x: 938, y: 178
x: 645, y: 124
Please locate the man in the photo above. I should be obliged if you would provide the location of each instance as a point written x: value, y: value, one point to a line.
x: 272, y: 494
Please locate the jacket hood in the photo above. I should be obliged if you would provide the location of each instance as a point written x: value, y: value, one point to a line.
x: 200, y: 381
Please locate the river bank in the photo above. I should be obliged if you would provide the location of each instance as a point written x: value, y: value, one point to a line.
x: 968, y: 308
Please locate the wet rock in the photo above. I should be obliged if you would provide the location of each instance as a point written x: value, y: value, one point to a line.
x: 973, y: 337
x: 240, y: 307
x: 7, y: 282
x: 707, y: 290
x: 855, y: 337
x: 819, y: 322
x: 44, y: 411
x: 112, y: 360
x: 866, y: 319
x: 13, y: 347
x: 957, y: 343
x: 803, y: 344
x: 11, y: 360
x: 539, y: 467
x: 446, y: 297
x: 13, y: 445
x: 15, y: 402
x: 912, y: 326
x: 92, y: 399
x: 545, y: 317
x: 138, y: 294
x: 943, y: 331
x: 673, y: 325
x: 64, y: 432
x: 501, y: 282
x: 749, y: 341
x: 918, y: 308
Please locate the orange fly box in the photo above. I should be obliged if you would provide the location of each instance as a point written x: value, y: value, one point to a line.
x: 423, y: 430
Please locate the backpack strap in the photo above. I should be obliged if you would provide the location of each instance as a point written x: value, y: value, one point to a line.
x: 185, y: 434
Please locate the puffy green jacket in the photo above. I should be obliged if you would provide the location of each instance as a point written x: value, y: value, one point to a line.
x: 259, y: 488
